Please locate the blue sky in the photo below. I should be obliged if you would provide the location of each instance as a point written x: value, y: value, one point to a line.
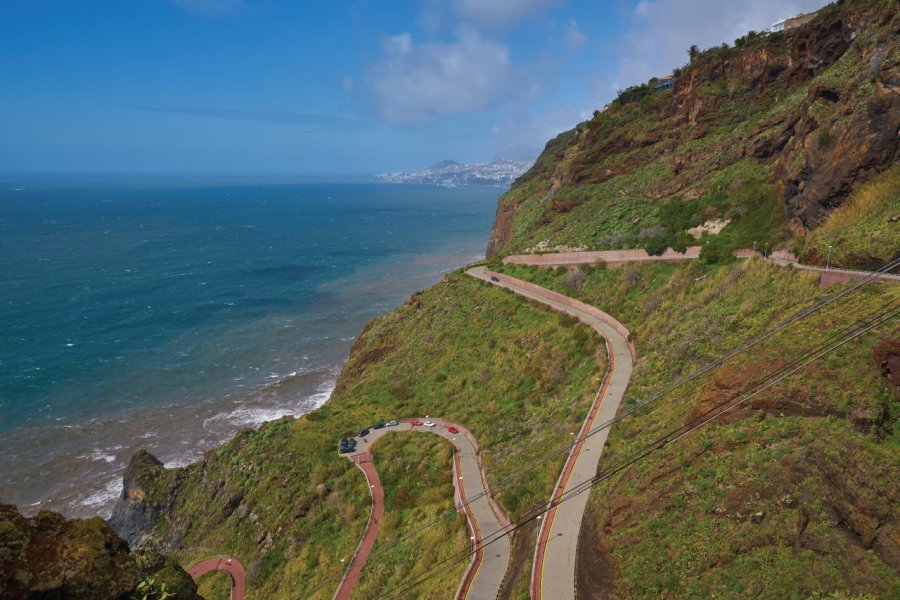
x: 326, y: 88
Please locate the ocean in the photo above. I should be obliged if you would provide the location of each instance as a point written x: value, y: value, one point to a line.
x: 166, y: 316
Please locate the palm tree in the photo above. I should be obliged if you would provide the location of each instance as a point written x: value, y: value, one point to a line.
x: 694, y: 52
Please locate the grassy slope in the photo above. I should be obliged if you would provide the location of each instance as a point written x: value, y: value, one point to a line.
x: 416, y: 471
x: 861, y: 233
x: 717, y: 513
x: 637, y: 175
x: 283, y: 501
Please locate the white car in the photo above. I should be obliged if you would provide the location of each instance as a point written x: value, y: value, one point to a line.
x: 428, y: 424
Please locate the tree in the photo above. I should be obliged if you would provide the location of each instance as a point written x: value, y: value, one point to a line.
x: 694, y: 52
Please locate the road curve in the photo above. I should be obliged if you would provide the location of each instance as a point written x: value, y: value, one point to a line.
x: 485, y: 573
x: 230, y: 565
x: 553, y: 568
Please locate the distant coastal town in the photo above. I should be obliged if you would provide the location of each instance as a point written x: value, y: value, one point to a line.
x: 449, y: 173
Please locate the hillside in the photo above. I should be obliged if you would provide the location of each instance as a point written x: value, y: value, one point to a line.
x: 768, y: 136
x: 283, y: 501
x: 789, y: 496
x: 788, y: 140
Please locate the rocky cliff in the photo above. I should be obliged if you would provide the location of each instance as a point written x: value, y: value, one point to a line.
x: 770, y: 135
x: 49, y: 557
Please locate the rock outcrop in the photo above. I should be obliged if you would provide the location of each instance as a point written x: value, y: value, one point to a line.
x: 134, y: 513
x: 47, y: 556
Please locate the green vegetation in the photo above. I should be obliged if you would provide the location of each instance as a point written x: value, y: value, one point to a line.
x: 149, y: 589
x: 284, y: 502
x: 865, y: 231
x: 792, y: 495
x: 717, y: 513
x: 416, y: 472
x: 732, y: 142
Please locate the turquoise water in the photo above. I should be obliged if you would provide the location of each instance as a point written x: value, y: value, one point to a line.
x: 146, y: 315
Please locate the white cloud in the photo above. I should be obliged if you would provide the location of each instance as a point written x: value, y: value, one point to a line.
x: 415, y: 82
x: 661, y: 31
x: 211, y: 8
x: 500, y: 13
x: 574, y: 38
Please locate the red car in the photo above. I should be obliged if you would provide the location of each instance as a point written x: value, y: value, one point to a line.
x: 415, y: 422
x: 452, y: 429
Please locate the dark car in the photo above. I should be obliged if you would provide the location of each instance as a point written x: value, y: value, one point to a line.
x: 347, y: 445
x: 494, y: 279
x: 363, y: 433
x: 378, y: 425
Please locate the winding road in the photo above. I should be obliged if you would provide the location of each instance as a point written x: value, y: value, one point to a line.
x: 230, y: 565
x: 484, y: 576
x: 553, y: 567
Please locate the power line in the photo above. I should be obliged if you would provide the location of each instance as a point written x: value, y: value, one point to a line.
x: 565, y: 448
x: 861, y: 326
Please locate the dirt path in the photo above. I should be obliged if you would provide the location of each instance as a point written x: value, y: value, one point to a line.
x: 230, y: 565
x: 553, y: 568
x: 485, y: 573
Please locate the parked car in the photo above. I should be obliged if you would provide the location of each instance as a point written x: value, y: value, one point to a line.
x: 391, y: 423
x: 363, y: 433
x: 428, y: 424
x: 378, y: 425
x: 347, y: 445
x: 494, y: 278
x: 415, y: 422
x: 452, y: 429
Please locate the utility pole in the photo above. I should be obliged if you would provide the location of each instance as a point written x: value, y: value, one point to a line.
x: 828, y: 258
x: 766, y: 251
x: 754, y: 247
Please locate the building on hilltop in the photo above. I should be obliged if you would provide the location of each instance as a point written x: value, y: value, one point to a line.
x: 791, y: 22
x: 663, y: 84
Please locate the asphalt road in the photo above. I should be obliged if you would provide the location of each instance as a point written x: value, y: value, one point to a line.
x: 553, y: 568
x: 485, y: 573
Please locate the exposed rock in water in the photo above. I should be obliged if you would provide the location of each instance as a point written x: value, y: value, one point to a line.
x: 134, y: 514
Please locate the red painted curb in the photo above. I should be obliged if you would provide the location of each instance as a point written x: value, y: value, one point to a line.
x: 537, y: 568
x: 469, y: 577
x: 353, y: 572
x: 364, y: 462
x: 230, y: 565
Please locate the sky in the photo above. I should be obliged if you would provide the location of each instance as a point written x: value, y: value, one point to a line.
x: 317, y: 88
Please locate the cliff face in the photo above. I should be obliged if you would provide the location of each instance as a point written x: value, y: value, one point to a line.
x: 48, y: 557
x: 795, y: 119
x: 134, y: 514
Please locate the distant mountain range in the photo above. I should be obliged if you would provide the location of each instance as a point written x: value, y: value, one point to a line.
x: 450, y: 173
